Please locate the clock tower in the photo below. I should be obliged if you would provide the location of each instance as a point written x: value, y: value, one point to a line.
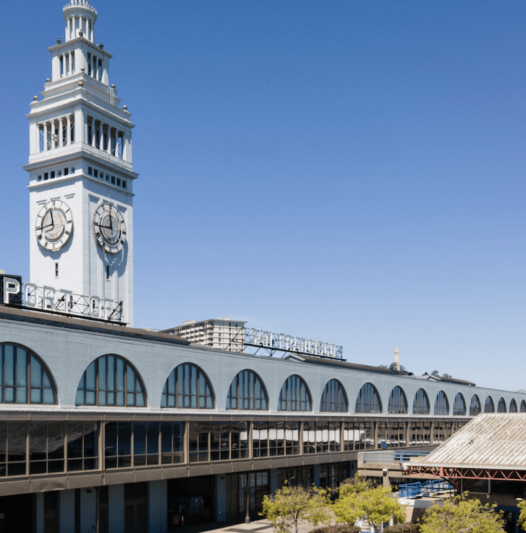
x: 81, y: 173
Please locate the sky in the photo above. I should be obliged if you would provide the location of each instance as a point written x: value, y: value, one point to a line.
x: 347, y: 171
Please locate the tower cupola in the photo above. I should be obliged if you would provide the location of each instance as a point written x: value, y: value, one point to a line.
x: 80, y: 16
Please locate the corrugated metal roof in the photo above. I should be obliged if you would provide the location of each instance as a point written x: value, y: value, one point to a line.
x: 488, y: 441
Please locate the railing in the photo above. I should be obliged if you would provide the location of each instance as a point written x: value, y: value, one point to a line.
x: 392, y: 457
x: 429, y: 488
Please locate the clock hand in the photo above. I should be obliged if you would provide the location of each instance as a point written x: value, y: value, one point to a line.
x: 52, y: 221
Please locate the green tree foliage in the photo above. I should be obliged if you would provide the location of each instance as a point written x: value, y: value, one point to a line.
x: 360, y: 500
x: 522, y: 515
x: 462, y: 515
x: 291, y: 506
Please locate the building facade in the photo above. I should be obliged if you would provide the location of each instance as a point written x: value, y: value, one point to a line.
x: 109, y: 428
x: 219, y: 333
x: 99, y: 420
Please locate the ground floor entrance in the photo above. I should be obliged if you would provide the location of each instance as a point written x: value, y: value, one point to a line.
x: 17, y: 514
x: 245, y: 493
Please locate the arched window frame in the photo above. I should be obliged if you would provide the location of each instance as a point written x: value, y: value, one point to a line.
x: 513, y: 406
x: 334, y: 398
x: 253, y: 399
x: 294, y: 395
x: 368, y: 400
x: 25, y: 378
x: 459, y: 405
x: 187, y: 387
x: 501, y: 407
x: 489, y: 405
x: 131, y: 389
x: 523, y: 406
x: 397, y: 402
x: 441, y: 404
x: 475, y: 407
x: 421, y: 403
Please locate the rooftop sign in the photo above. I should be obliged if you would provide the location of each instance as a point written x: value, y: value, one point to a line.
x: 287, y: 343
x: 59, y: 301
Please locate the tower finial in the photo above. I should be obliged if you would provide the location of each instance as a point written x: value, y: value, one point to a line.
x: 80, y: 3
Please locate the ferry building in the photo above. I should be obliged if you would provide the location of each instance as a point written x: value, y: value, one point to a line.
x: 105, y: 427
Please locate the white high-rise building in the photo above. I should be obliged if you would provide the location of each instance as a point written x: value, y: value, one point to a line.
x: 81, y: 172
x: 218, y: 333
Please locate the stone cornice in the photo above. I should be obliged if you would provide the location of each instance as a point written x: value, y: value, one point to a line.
x: 80, y: 40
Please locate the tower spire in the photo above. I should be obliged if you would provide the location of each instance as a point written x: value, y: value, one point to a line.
x: 80, y: 16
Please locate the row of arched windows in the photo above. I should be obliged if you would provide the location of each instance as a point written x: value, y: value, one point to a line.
x: 111, y: 381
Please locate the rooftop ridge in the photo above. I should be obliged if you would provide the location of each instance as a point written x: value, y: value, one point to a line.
x: 80, y: 3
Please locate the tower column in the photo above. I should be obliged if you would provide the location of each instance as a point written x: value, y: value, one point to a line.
x: 45, y: 137
x: 68, y: 130
x: 60, y: 132
x: 101, y: 145
x: 93, y: 132
x: 110, y: 134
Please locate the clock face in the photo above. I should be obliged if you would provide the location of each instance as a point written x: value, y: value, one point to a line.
x: 54, y: 225
x: 109, y: 228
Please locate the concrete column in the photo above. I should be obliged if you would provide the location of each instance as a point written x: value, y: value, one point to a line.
x: 220, y: 489
x: 93, y: 32
x: 45, y: 136
x: 93, y: 125
x: 157, y: 506
x: 60, y: 132
x: 66, y: 510
x: 116, y: 508
x: 273, y: 480
x: 39, y: 512
x: 88, y: 511
x: 101, y: 136
x: 68, y: 130
x: 316, y: 475
x: 109, y: 140
x: 67, y: 29
x: 127, y: 147
x: 79, y: 125
x: 34, y: 138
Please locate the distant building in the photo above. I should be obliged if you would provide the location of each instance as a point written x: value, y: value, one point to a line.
x: 218, y: 333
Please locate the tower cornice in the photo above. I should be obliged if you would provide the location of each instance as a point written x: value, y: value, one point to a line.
x: 80, y: 40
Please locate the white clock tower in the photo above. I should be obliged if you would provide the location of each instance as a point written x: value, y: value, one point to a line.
x: 80, y: 172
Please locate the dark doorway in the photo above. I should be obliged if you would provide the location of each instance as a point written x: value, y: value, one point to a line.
x: 103, y: 525
x: 192, y: 499
x: 16, y: 514
x: 135, y: 508
x: 232, y: 497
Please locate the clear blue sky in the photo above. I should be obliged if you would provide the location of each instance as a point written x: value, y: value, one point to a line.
x: 347, y: 171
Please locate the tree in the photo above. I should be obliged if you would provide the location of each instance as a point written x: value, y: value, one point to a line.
x: 522, y: 515
x: 360, y: 500
x: 290, y: 506
x: 462, y: 516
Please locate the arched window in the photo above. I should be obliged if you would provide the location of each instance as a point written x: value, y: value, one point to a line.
x: 421, y: 403
x: 187, y: 387
x: 489, y: 406
x: 501, y: 408
x: 368, y: 400
x: 513, y: 406
x: 247, y: 392
x: 397, y: 402
x: 459, y: 406
x: 23, y: 377
x: 475, y: 408
x: 441, y: 404
x: 111, y: 380
x: 523, y: 406
x: 294, y: 395
x: 334, y: 399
